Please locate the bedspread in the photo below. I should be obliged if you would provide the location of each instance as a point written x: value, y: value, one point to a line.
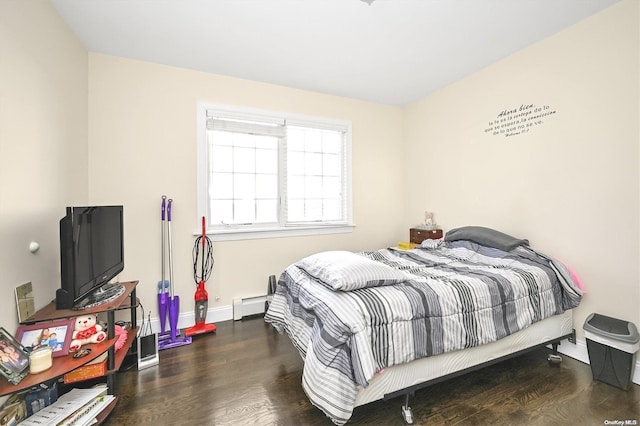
x: 457, y: 295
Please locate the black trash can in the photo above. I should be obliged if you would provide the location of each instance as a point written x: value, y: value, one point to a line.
x: 612, y: 346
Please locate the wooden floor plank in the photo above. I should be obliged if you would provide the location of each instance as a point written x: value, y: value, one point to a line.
x: 246, y: 374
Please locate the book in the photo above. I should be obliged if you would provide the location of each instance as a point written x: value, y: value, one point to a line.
x: 86, y: 414
x: 78, y: 407
x: 95, y: 368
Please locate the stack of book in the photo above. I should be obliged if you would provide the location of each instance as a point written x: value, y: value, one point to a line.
x: 78, y: 407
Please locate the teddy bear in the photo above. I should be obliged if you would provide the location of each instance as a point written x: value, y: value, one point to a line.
x: 87, y: 330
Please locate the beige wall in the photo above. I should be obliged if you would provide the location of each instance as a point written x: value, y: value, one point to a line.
x: 43, y: 145
x: 570, y: 185
x: 142, y: 144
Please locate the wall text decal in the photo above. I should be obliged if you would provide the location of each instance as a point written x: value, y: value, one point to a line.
x: 519, y: 120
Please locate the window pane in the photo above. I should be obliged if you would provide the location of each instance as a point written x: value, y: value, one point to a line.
x: 266, y: 161
x: 295, y: 163
x: 266, y: 211
x: 244, y: 140
x: 295, y: 187
x: 331, y: 187
x: 244, y: 186
x: 266, y: 142
x: 331, y: 209
x: 267, y: 186
x: 295, y: 139
x: 313, y: 164
x: 221, y: 212
x: 221, y: 158
x: 331, y: 165
x: 313, y: 187
x: 312, y: 141
x: 295, y: 210
x: 313, y: 210
x: 221, y: 186
x: 221, y: 138
x: 332, y: 142
x: 244, y: 211
x: 244, y: 160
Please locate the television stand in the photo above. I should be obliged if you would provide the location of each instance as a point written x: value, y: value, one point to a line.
x: 104, y: 294
x: 64, y: 364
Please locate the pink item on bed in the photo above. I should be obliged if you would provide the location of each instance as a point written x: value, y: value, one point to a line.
x: 575, y: 278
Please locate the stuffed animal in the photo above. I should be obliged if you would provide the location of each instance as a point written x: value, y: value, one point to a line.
x: 121, y: 334
x: 87, y: 330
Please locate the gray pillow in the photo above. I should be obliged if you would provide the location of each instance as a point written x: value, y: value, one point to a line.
x: 485, y: 236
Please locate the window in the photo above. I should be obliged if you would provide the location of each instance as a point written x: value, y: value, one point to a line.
x: 264, y: 174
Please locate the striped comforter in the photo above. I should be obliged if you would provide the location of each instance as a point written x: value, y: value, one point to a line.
x: 458, y: 295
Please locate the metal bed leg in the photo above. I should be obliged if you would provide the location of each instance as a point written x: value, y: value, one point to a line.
x: 554, y: 359
x: 407, y: 415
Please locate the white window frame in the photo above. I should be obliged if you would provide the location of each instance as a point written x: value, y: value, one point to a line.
x: 240, y: 232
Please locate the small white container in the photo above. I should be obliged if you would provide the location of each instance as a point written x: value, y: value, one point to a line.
x: 40, y: 360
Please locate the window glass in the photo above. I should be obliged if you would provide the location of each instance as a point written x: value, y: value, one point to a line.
x: 273, y: 171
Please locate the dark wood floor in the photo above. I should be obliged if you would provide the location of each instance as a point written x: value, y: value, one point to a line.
x: 246, y: 374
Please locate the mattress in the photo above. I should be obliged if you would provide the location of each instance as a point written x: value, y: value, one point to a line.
x: 422, y: 370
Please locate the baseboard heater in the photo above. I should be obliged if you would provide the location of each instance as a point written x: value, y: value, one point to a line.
x: 247, y: 306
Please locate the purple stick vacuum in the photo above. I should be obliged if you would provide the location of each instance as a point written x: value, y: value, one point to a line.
x: 163, y: 286
x: 173, y: 300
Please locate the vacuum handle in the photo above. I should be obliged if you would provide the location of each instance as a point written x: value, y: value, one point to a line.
x: 169, y: 209
x: 203, y: 239
x: 164, y: 206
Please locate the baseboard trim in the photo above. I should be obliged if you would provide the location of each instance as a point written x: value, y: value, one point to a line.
x: 188, y: 319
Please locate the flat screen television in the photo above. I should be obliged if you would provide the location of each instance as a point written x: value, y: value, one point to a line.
x: 91, y: 254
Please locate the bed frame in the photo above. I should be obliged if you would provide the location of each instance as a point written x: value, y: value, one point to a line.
x: 405, y: 379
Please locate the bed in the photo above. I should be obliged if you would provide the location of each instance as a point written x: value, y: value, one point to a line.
x: 381, y: 324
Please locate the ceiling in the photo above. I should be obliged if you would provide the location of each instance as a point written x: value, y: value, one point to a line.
x: 391, y: 52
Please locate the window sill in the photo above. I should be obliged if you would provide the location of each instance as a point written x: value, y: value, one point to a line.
x: 254, y: 234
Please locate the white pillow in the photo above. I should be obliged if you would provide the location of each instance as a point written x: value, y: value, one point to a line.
x: 345, y: 271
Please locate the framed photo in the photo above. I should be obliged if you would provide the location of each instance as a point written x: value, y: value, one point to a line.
x: 24, y: 301
x: 55, y: 334
x: 14, y: 360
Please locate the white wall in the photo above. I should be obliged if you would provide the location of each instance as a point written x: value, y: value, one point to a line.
x: 43, y: 145
x: 570, y: 185
x: 142, y: 144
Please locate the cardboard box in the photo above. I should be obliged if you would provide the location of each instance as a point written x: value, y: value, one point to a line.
x: 91, y: 370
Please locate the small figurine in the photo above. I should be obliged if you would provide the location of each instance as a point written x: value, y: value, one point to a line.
x: 429, y: 221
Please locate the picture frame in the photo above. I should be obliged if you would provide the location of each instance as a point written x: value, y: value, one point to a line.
x: 14, y: 358
x: 55, y: 334
x: 25, y: 303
